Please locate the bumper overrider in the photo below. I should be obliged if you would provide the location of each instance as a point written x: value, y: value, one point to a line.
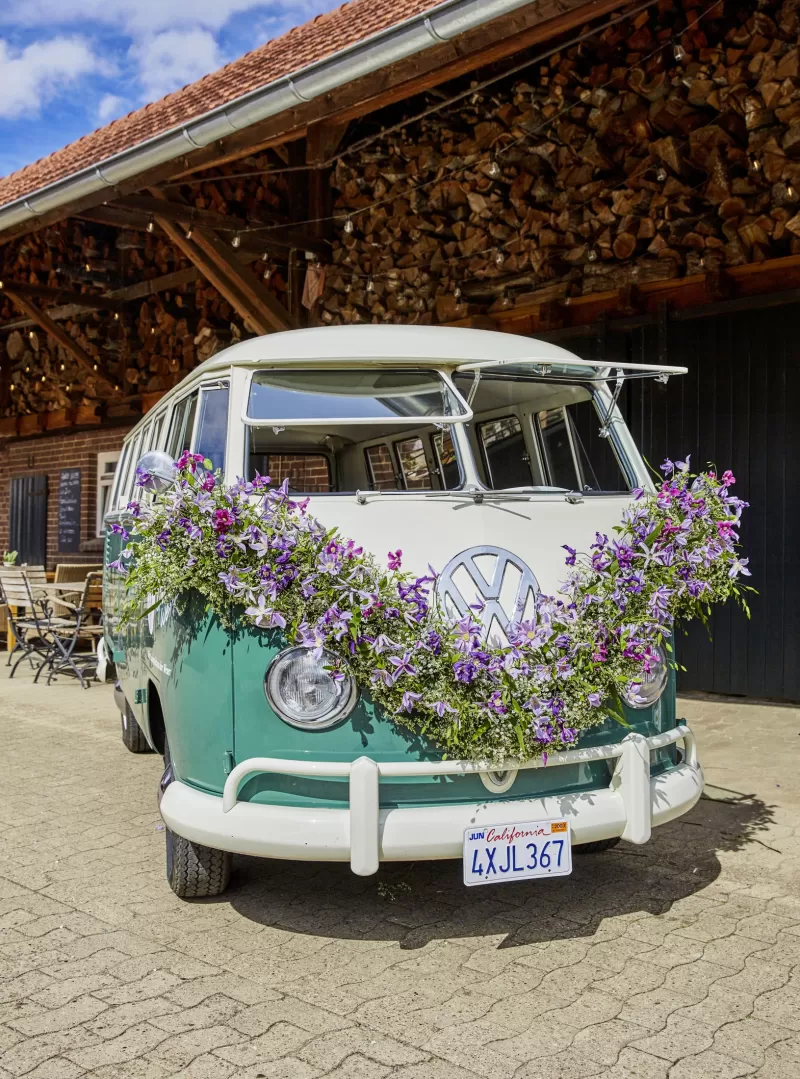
x: 630, y: 806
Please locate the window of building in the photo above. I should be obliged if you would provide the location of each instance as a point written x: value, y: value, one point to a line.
x: 106, y: 474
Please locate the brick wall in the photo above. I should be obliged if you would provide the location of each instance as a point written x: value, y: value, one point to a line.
x: 49, y: 455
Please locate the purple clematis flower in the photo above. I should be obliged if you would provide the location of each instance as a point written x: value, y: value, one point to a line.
x: 265, y: 617
x: 402, y: 666
x: 409, y: 701
x: 440, y: 707
x: 395, y: 559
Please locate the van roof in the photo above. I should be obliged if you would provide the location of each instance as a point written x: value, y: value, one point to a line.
x: 433, y: 346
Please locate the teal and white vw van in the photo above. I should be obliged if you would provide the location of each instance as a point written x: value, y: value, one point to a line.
x: 479, y: 453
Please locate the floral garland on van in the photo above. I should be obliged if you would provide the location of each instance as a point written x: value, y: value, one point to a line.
x: 257, y: 555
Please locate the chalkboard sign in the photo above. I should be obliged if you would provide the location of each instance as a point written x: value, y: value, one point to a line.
x: 69, y: 510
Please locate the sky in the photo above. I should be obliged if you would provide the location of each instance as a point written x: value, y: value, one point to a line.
x: 70, y: 66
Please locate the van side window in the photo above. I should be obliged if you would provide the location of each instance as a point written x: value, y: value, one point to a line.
x: 156, y: 435
x: 119, y: 482
x: 181, y: 426
x: 212, y: 428
x: 556, y: 435
x: 381, y: 468
x: 505, y: 454
x: 446, y: 460
x: 125, y: 491
x: 413, y: 466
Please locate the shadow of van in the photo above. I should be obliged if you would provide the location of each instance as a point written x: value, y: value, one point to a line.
x: 417, y: 903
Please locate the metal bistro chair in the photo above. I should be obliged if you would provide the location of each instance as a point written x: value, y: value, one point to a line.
x: 66, y: 634
x: 21, y: 587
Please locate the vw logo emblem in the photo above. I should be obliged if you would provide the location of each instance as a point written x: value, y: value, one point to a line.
x: 493, y: 576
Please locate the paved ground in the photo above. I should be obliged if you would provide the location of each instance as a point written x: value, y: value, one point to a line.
x: 679, y: 959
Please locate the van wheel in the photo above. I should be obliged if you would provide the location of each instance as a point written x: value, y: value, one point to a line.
x: 132, y: 735
x: 597, y: 847
x: 194, y: 871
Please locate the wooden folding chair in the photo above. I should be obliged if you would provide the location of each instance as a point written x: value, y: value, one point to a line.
x: 21, y: 591
x: 67, y: 634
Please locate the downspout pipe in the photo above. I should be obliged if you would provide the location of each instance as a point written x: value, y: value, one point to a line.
x: 439, y: 24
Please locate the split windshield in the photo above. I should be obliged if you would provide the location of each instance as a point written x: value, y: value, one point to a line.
x: 363, y: 429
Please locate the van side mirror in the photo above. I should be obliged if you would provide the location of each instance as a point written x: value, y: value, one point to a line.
x: 156, y: 471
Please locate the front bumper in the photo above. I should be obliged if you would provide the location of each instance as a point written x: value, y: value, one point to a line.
x: 365, y: 834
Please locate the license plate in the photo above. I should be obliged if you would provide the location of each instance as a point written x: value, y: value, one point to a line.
x: 503, y: 852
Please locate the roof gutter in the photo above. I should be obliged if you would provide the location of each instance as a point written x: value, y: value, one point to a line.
x: 440, y: 24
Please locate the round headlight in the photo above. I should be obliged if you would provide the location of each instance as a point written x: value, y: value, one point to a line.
x: 648, y: 687
x: 304, y: 694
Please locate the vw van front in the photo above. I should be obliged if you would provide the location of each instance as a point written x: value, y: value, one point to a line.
x: 479, y: 454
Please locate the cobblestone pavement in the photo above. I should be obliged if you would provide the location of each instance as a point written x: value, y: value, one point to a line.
x: 680, y: 959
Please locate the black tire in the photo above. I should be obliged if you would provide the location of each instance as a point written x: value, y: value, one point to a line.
x: 194, y: 871
x: 132, y: 735
x: 597, y: 847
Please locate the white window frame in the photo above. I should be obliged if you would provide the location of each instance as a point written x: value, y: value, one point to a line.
x: 105, y: 479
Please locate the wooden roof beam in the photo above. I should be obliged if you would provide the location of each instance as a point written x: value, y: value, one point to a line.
x: 249, y: 298
x: 61, y: 295
x: 60, y: 336
x: 122, y: 296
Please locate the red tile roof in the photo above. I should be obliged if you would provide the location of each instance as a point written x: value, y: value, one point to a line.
x: 315, y: 40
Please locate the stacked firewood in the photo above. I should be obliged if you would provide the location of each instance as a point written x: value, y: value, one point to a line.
x: 667, y: 144
x: 148, y: 347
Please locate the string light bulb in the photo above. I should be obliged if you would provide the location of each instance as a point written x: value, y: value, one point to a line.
x: 790, y: 191
x: 236, y: 241
x: 499, y: 258
x: 755, y: 164
x: 88, y: 268
x: 116, y: 316
x: 13, y: 387
x: 62, y: 366
x: 151, y: 225
x: 27, y: 369
x: 591, y: 255
x: 189, y: 232
x: 265, y: 256
x: 348, y: 225
x: 457, y: 292
x: 267, y: 273
x: 94, y: 366
x: 679, y: 53
x: 370, y: 285
x: 494, y: 169
x: 661, y: 175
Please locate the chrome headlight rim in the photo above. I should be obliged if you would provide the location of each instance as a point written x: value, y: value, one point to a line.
x: 345, y: 703
x: 658, y: 685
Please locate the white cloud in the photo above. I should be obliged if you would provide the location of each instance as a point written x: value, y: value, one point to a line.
x: 32, y: 76
x: 143, y: 16
x: 174, y: 58
x: 110, y: 107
